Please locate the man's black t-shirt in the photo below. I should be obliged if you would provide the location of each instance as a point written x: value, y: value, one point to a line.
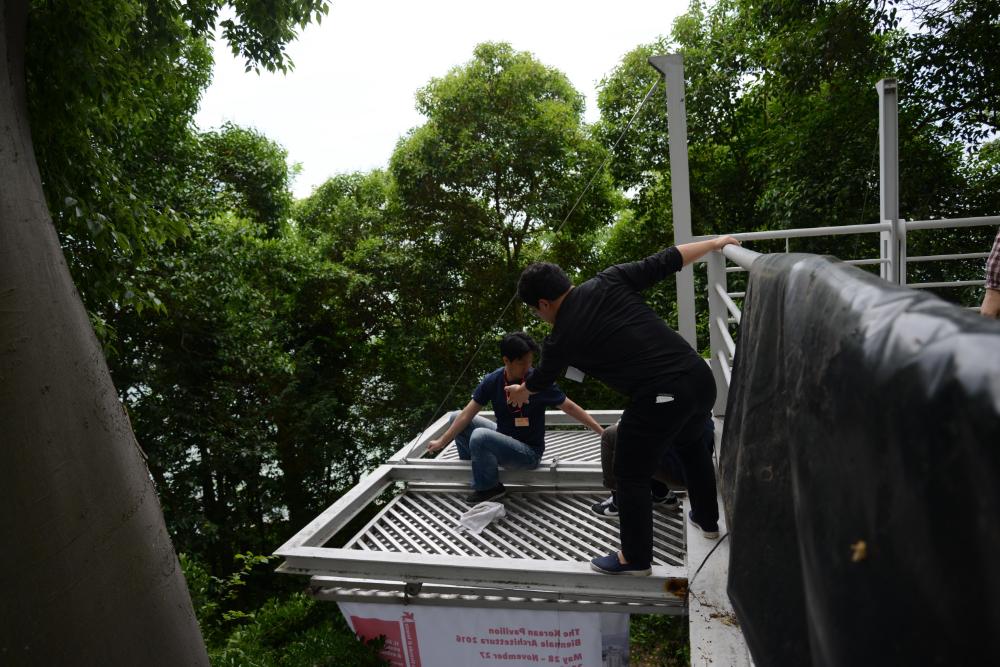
x: 605, y: 329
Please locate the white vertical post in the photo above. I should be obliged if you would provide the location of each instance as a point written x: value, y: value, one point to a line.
x: 888, y: 144
x: 717, y: 312
x: 672, y: 68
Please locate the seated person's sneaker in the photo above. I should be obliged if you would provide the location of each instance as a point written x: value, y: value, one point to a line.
x: 669, y: 501
x: 606, y: 507
x: 711, y: 531
x: 611, y: 565
x: 477, y: 497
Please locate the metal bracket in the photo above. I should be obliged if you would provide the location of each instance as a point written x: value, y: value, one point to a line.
x: 411, y: 588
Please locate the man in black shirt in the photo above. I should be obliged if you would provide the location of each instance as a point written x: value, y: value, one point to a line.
x: 604, y: 327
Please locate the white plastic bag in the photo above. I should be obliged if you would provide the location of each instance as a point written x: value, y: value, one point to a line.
x: 481, y: 515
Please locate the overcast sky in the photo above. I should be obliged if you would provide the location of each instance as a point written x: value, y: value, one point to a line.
x: 351, y: 94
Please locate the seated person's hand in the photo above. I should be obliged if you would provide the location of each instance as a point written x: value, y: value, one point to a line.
x: 435, y: 445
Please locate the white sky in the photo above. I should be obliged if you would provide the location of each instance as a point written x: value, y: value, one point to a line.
x: 351, y: 95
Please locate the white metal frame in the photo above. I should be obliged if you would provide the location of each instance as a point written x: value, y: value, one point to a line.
x: 672, y: 68
x: 305, y: 552
x: 367, y: 590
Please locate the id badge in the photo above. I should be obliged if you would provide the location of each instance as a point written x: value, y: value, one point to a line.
x: 520, y: 421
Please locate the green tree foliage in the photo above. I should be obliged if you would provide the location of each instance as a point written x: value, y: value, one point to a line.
x: 247, y: 172
x: 290, y: 631
x: 112, y: 93
x: 954, y: 65
x: 245, y: 391
x: 113, y: 88
x: 480, y: 190
x: 783, y: 128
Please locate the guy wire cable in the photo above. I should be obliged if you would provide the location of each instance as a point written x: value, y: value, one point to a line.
x: 562, y: 224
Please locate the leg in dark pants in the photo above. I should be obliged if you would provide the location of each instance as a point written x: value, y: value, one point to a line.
x: 646, y: 428
x: 696, y: 460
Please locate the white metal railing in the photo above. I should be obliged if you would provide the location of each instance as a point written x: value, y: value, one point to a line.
x: 723, y: 311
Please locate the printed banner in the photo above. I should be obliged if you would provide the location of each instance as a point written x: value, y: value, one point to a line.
x: 425, y: 636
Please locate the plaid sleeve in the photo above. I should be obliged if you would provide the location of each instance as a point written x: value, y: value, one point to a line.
x: 993, y: 265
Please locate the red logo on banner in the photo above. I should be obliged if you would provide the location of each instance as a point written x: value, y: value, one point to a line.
x: 398, y: 654
x: 373, y: 628
x: 410, y: 632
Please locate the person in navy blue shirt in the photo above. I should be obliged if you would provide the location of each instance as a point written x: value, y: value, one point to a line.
x: 517, y: 440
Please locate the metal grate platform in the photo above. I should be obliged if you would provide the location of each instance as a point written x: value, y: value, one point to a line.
x: 538, y: 555
x: 553, y: 525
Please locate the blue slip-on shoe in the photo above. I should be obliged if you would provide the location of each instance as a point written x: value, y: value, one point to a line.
x: 709, y: 531
x: 611, y: 565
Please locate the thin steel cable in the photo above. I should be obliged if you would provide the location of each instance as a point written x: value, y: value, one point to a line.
x: 562, y: 224
x: 705, y: 559
x: 864, y: 198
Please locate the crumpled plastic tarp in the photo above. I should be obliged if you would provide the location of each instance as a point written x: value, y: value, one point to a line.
x: 860, y: 471
x: 480, y: 516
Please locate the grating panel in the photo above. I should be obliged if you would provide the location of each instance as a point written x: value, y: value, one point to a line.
x: 565, y: 445
x: 544, y: 525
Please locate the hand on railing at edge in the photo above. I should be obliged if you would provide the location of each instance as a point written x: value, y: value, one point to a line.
x: 991, y: 304
x: 692, y: 252
x: 722, y: 241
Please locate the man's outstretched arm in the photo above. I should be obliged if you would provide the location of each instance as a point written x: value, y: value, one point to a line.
x: 692, y: 252
x: 648, y: 271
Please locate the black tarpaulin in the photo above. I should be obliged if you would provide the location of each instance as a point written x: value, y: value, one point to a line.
x: 860, y: 470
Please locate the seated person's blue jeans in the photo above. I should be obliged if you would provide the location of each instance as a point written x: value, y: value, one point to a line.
x: 488, y: 450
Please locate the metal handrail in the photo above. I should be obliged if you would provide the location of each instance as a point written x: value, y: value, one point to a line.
x: 742, y: 256
x: 952, y: 223
x: 938, y: 258
x: 806, y: 232
x: 948, y: 283
x: 730, y: 304
x: 724, y: 311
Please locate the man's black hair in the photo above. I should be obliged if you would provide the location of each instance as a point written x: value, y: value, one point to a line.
x: 517, y: 344
x: 542, y: 280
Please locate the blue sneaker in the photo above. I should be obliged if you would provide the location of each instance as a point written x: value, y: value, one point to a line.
x: 711, y: 531
x: 611, y: 565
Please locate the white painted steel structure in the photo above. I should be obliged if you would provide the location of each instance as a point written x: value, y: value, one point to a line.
x: 672, y: 69
x: 537, y: 556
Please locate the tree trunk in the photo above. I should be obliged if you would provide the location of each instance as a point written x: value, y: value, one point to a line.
x: 87, y: 571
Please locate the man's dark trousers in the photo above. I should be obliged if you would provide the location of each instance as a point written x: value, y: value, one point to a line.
x: 646, y: 429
